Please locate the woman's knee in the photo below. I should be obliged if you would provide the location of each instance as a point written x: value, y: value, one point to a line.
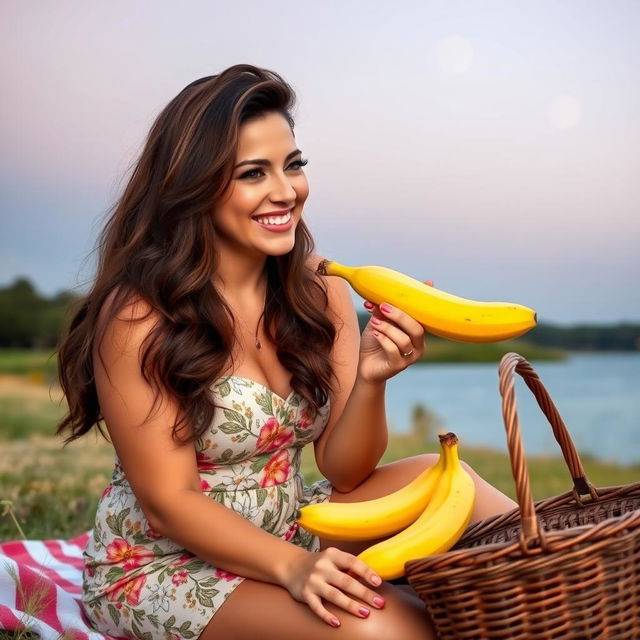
x: 403, y: 617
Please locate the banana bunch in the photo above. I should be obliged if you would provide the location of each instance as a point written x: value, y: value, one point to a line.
x: 441, y: 313
x: 439, y: 526
x: 427, y: 516
x: 373, y: 518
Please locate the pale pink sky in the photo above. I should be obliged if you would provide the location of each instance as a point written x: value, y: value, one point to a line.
x: 491, y: 147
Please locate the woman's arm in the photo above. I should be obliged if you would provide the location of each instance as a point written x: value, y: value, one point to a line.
x: 164, y: 476
x: 356, y: 435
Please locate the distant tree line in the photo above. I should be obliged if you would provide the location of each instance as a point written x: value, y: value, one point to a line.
x: 31, y: 321
x: 620, y: 337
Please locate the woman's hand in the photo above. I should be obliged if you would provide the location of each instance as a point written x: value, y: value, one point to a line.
x: 386, y: 338
x: 331, y: 575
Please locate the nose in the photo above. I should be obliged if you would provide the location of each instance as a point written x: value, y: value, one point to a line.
x: 282, y: 190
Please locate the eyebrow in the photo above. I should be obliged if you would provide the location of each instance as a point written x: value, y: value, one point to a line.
x: 266, y: 162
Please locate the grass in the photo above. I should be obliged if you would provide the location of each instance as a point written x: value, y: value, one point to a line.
x: 439, y: 350
x: 38, y: 364
x: 34, y: 601
x: 50, y: 491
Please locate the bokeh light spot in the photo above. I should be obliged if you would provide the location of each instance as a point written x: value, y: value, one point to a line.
x: 564, y: 112
x: 454, y: 54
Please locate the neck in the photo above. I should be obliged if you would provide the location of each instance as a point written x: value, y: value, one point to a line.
x: 239, y: 278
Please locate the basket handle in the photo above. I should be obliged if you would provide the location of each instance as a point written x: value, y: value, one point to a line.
x: 514, y: 363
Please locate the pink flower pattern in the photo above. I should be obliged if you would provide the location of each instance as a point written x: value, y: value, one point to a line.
x: 304, y: 421
x: 179, y: 578
x: 276, y: 470
x: 127, y: 590
x: 140, y: 584
x: 274, y: 436
x: 226, y: 575
x: 128, y: 556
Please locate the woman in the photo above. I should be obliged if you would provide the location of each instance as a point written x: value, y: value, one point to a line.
x: 213, y: 352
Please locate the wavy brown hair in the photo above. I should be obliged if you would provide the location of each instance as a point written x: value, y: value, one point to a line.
x: 159, y: 245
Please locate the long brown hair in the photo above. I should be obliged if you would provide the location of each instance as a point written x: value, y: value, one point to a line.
x: 159, y: 244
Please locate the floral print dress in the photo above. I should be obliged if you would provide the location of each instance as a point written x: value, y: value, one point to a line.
x: 138, y: 584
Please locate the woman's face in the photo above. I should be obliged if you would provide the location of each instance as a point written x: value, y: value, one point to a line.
x: 269, y: 180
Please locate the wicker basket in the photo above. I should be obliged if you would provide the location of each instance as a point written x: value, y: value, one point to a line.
x: 566, y: 567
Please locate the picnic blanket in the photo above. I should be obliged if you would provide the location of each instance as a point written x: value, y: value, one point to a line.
x: 51, y: 571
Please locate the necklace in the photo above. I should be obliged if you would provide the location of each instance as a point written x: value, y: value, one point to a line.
x: 257, y: 343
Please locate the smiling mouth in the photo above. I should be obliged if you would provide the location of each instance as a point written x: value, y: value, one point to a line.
x: 273, y: 221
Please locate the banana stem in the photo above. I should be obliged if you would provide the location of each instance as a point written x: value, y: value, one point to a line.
x: 333, y: 268
x: 448, y: 439
x: 322, y: 267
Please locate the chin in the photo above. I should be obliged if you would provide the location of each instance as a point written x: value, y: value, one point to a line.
x: 282, y: 250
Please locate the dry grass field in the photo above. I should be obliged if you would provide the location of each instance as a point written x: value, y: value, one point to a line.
x: 51, y: 491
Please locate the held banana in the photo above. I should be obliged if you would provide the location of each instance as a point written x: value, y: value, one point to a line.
x: 438, y: 528
x: 373, y: 518
x: 441, y: 313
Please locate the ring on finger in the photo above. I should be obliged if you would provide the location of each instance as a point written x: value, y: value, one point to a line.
x: 408, y: 353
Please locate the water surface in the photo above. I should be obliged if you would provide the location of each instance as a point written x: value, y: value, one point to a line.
x: 597, y: 395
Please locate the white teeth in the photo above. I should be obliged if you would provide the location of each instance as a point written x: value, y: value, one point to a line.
x: 274, y: 220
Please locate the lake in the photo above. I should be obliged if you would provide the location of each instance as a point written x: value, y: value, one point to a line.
x: 597, y: 395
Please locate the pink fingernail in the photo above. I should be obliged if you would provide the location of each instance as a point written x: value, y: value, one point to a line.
x: 379, y: 602
x: 387, y: 308
x: 335, y: 622
x: 363, y: 611
x: 368, y: 304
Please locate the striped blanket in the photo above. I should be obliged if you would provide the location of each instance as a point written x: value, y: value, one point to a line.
x: 40, y: 586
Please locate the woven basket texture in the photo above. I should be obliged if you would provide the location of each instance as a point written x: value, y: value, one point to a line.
x: 567, y: 567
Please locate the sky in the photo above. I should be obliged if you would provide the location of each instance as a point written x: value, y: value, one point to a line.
x: 490, y: 147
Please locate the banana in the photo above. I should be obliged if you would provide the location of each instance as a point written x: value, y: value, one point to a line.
x: 441, y: 313
x: 438, y: 528
x: 375, y: 518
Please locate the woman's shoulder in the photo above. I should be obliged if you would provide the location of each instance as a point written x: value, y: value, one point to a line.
x: 313, y: 260
x: 126, y: 305
x: 340, y: 302
x: 125, y: 317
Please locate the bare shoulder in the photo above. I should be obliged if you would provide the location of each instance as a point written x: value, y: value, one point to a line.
x: 314, y: 260
x: 126, y: 327
x: 341, y: 308
x: 132, y: 308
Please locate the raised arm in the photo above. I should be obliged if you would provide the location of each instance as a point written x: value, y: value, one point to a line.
x: 356, y: 435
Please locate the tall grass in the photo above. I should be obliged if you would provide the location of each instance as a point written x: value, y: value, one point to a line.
x: 34, y: 602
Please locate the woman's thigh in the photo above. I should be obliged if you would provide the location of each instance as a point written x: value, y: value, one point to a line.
x: 267, y: 611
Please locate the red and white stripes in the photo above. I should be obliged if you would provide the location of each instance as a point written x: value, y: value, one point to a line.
x: 54, y: 569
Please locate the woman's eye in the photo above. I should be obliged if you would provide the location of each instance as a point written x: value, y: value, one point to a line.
x: 249, y: 174
x: 252, y: 174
